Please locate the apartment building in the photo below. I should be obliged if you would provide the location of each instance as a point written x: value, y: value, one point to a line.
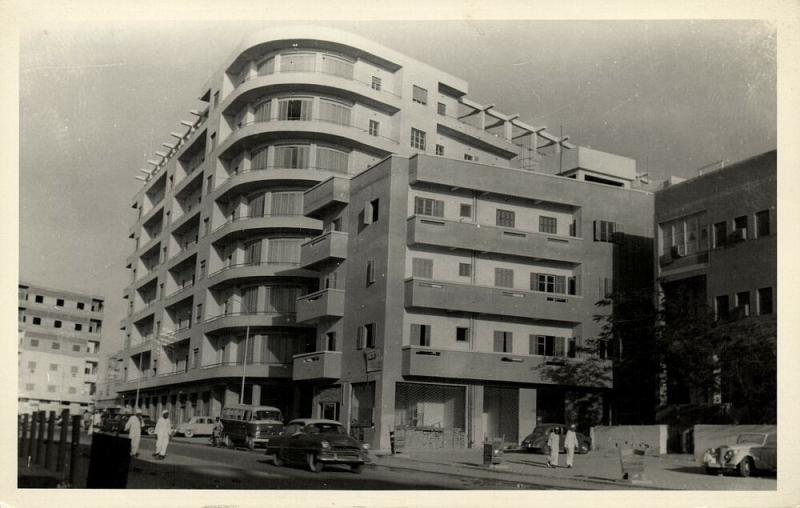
x: 316, y: 150
x: 106, y: 396
x: 59, y: 343
x: 717, y: 248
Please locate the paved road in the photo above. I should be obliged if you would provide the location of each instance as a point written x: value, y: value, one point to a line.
x: 194, y: 464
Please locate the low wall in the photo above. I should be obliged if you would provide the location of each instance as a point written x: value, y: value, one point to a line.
x: 712, y: 436
x: 652, y: 438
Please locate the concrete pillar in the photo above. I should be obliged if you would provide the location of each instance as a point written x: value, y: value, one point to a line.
x: 477, y: 416
x: 527, y: 412
x: 384, y: 412
x: 256, y: 396
x: 507, y: 130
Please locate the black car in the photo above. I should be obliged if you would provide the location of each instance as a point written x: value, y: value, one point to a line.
x: 537, y: 440
x: 114, y: 424
x: 316, y: 442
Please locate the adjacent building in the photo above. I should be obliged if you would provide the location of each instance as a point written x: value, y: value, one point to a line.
x: 340, y: 231
x: 106, y: 396
x: 59, y: 343
x: 717, y: 249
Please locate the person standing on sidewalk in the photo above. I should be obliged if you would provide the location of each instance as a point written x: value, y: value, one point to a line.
x: 162, y: 436
x: 134, y: 428
x: 553, y: 445
x: 570, y: 443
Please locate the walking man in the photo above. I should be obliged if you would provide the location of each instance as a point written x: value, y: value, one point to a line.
x: 97, y: 422
x: 134, y: 428
x: 553, y: 444
x: 570, y: 443
x: 162, y: 436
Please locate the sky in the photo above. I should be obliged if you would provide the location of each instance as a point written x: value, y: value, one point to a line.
x: 97, y: 100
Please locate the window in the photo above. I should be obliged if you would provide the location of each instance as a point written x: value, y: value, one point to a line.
x: 298, y: 62
x: 263, y: 111
x: 370, y: 272
x: 462, y: 334
x: 467, y: 157
x: 376, y: 83
x: 57, y: 323
x: 76, y: 348
x: 441, y: 108
x: 374, y: 210
x: 440, y: 150
x: 37, y: 320
x: 547, y: 283
x: 266, y: 66
x: 39, y: 299
x: 721, y: 306
x: 740, y: 228
x: 252, y: 253
x: 59, y: 302
x: 78, y: 327
x: 417, y: 139
x: 572, y: 285
x: 34, y: 342
x: 465, y: 211
x: 504, y: 277
x: 720, y: 234
x: 55, y: 345
x: 81, y: 305
x: 505, y: 218
x: 606, y: 231
x: 743, y: 302
x: 366, y: 336
x: 286, y: 203
x: 294, y: 109
x: 374, y: 128
x: 464, y: 270
x: 502, y: 342
x: 53, y: 367
x: 428, y: 206
x: 420, y: 335
x: 419, y: 95
x: 290, y: 157
x: 765, y: 301
x: 547, y: 224
x: 542, y: 345
x: 337, y: 66
x: 762, y: 223
x: 334, y: 112
x: 422, y: 268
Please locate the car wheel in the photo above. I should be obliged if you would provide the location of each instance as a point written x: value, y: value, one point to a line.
x: 356, y: 468
x: 583, y: 448
x: 250, y: 443
x: 314, y: 465
x: 151, y: 431
x: 188, y: 433
x: 277, y: 460
x: 745, y: 467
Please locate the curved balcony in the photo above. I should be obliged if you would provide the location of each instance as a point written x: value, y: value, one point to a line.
x: 250, y: 270
x: 252, y: 179
x: 312, y: 82
x: 241, y: 320
x: 248, y: 226
x: 320, y: 129
x: 214, y: 371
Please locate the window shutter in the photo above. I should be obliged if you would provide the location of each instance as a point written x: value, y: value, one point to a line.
x: 509, y: 343
x: 559, y: 346
x: 559, y: 284
x: 531, y: 344
x: 438, y: 208
x: 360, y: 337
x: 596, y: 227
x: 498, y: 341
x: 416, y: 339
x: 534, y: 277
x: 426, y: 336
x: 367, y: 214
x: 619, y: 233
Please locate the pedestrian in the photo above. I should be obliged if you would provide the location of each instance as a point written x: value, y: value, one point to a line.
x: 553, y: 445
x: 570, y: 443
x: 162, y: 435
x: 97, y: 422
x: 217, y: 436
x: 134, y: 428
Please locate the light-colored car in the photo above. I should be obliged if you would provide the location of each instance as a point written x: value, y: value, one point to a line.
x: 196, y: 426
x: 752, y: 451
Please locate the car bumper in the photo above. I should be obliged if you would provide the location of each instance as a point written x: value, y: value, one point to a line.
x: 711, y: 462
x: 341, y: 458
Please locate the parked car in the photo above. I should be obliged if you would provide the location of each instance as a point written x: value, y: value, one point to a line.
x: 537, y: 440
x: 114, y: 423
x: 148, y: 425
x: 316, y: 442
x: 752, y: 451
x: 196, y: 426
x: 249, y: 424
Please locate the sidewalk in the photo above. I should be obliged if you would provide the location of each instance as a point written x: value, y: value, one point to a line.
x: 595, y: 470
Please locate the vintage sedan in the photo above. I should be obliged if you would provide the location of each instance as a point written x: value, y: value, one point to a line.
x: 316, y: 442
x: 196, y: 426
x: 537, y: 440
x: 752, y: 451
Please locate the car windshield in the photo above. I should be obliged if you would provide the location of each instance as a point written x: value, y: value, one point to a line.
x: 750, y: 438
x: 264, y: 414
x: 325, y: 428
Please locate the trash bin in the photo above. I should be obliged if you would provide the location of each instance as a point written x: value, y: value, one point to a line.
x: 493, y: 452
x: 109, y: 461
x: 632, y: 465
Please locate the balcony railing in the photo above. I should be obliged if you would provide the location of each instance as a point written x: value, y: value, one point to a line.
x: 366, y: 85
x: 318, y: 119
x: 260, y: 263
